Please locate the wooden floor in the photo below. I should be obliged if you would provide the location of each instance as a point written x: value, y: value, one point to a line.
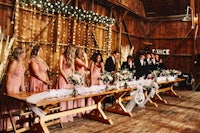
x: 180, y: 115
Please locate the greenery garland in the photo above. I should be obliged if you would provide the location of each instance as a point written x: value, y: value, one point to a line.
x: 60, y: 7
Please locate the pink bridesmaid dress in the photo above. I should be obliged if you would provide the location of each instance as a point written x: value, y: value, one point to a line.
x: 80, y: 102
x: 62, y: 84
x: 95, y: 75
x: 15, y: 80
x: 35, y: 84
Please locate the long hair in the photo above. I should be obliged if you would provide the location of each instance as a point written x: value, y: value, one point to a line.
x: 17, y: 53
x: 80, y: 53
x: 69, y: 54
x: 98, y: 54
x: 35, y: 50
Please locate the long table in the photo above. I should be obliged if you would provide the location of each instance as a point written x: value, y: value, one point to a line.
x: 97, y: 112
x: 168, y: 86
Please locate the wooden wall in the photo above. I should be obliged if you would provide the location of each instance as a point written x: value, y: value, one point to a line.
x: 131, y: 29
x: 179, y: 38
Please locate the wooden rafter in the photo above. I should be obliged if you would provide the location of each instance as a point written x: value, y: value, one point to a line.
x: 6, y: 4
x: 116, y: 23
x: 124, y: 14
x: 129, y: 38
x: 52, y: 21
x: 152, y: 31
x: 68, y: 2
x: 143, y: 29
x: 92, y: 6
x: 174, y: 50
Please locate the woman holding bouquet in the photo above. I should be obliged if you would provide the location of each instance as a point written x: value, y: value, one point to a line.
x: 66, y: 67
x: 96, y: 69
x: 14, y: 84
x: 39, y: 80
x: 81, y: 63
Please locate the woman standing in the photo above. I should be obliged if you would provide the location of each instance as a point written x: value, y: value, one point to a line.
x: 14, y: 83
x: 39, y: 80
x: 81, y: 63
x: 97, y: 67
x: 66, y: 67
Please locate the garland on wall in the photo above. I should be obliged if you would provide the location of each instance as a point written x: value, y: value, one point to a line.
x: 74, y: 12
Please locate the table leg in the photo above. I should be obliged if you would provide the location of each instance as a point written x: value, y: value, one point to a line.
x: 174, y: 93
x: 118, y: 107
x: 155, y: 104
x: 98, y: 114
x: 160, y: 98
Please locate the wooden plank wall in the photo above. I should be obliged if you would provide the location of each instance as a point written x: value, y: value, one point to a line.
x: 131, y: 29
x: 179, y: 38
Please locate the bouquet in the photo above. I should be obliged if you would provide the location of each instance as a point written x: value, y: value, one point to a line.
x: 106, y: 77
x: 75, y: 79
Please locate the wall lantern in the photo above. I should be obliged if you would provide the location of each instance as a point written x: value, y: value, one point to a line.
x: 188, y: 18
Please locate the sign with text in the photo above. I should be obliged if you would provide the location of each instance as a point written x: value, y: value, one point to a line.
x: 161, y: 51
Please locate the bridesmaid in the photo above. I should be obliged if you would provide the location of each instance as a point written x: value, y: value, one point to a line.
x: 66, y: 66
x: 39, y: 80
x: 81, y: 63
x: 14, y: 83
x: 97, y: 67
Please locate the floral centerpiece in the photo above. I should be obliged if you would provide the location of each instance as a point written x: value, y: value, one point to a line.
x: 106, y: 77
x: 175, y: 72
x: 154, y: 74
x: 124, y: 75
x: 163, y: 75
x: 75, y: 79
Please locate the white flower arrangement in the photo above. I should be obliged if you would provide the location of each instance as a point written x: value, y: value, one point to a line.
x: 75, y: 79
x: 106, y: 77
x: 155, y: 73
x: 174, y: 72
x: 166, y: 73
x: 124, y: 75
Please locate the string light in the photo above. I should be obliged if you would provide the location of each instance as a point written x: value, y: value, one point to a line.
x: 84, y: 35
x: 109, y: 38
x: 74, y: 32
x: 16, y: 28
x: 84, y: 24
x: 79, y: 32
x: 63, y: 30
x: 69, y: 30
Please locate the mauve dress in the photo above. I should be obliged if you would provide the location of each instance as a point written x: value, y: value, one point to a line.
x: 15, y: 80
x: 35, y: 84
x: 62, y: 84
x: 95, y: 75
x: 80, y: 70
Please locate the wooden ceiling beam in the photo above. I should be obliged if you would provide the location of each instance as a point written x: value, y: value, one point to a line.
x: 124, y: 14
x: 166, y: 18
x: 68, y: 2
x: 129, y: 38
x: 117, y: 5
x: 116, y: 23
x: 6, y: 4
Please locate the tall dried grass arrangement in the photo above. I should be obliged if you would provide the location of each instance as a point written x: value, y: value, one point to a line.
x: 4, y: 53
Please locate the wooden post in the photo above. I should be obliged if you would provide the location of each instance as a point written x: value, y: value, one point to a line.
x: 120, y: 32
x: 194, y: 49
